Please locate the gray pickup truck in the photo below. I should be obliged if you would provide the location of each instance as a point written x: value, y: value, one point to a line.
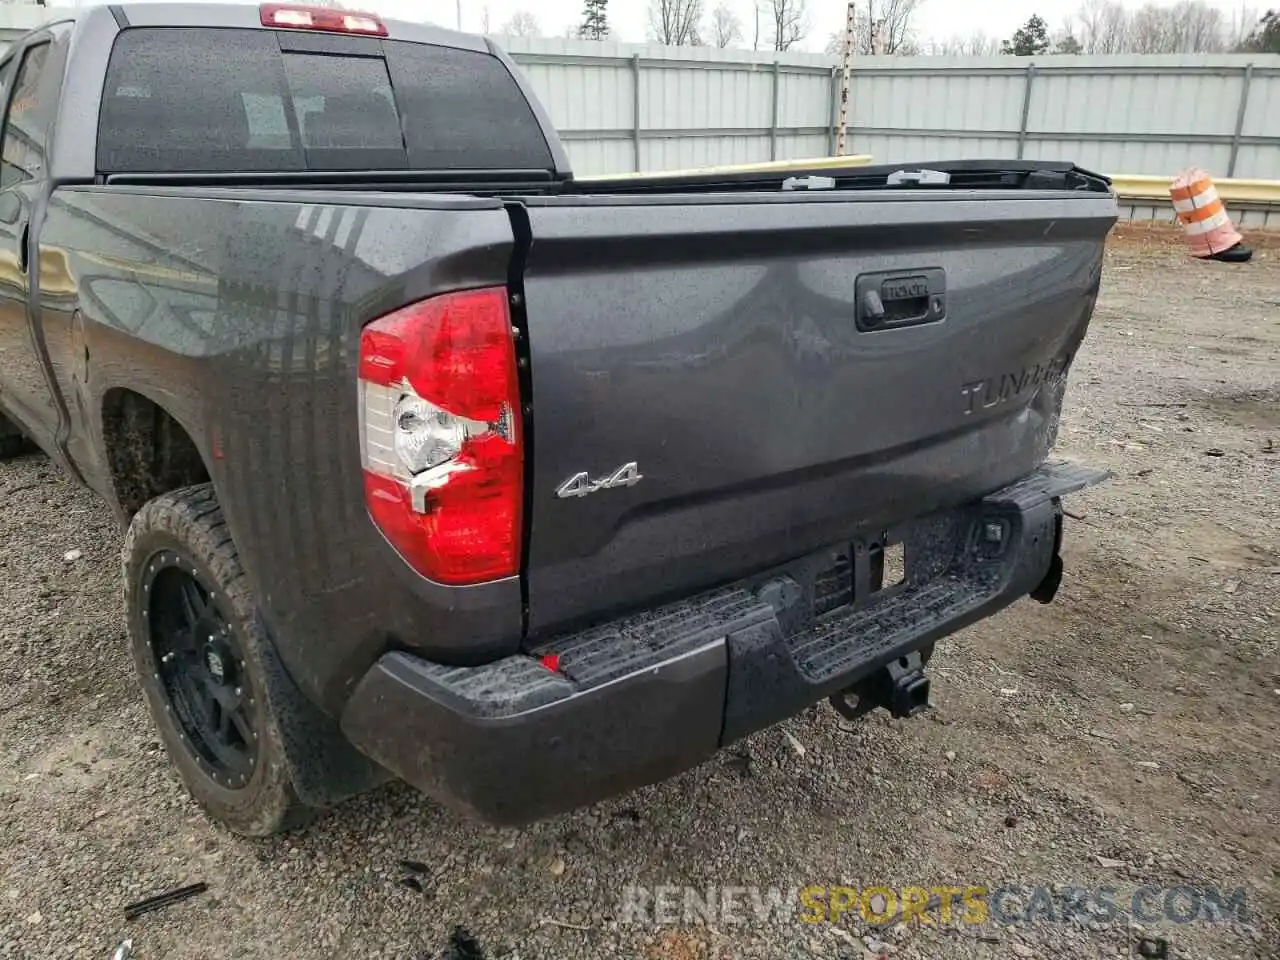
x: 439, y: 464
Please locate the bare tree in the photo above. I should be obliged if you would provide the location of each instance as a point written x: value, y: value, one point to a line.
x: 675, y: 22
x: 977, y: 44
x: 522, y: 24
x: 1101, y: 26
x: 1189, y: 26
x: 884, y: 26
x: 1065, y: 42
x: 1198, y: 28
x: 726, y: 28
x: 1149, y: 31
x: 790, y: 20
x: 1241, y: 26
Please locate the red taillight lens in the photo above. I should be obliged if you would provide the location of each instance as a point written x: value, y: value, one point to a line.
x: 287, y: 16
x: 440, y: 435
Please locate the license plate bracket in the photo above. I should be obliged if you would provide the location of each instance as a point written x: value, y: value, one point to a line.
x: 879, y: 567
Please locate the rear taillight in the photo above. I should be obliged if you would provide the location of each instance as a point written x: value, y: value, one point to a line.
x: 287, y: 16
x: 440, y: 435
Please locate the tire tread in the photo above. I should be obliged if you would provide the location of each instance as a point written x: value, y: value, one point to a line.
x: 192, y: 518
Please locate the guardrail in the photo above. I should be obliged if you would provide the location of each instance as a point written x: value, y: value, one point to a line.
x: 1263, y: 193
x: 1252, y: 204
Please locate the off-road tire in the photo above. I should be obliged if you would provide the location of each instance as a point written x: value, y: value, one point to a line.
x: 189, y: 524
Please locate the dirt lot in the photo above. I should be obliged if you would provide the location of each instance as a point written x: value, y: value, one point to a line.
x: 1126, y: 736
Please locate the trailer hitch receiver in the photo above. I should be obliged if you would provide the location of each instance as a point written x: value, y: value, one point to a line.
x: 901, y: 687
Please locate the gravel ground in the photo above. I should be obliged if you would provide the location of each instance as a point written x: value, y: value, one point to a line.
x: 1124, y: 736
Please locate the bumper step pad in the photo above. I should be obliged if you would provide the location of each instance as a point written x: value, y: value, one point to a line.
x: 644, y: 696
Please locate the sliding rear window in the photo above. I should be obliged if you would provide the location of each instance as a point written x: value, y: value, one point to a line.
x: 208, y: 100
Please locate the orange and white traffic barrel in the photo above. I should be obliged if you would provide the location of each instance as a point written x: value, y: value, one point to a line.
x: 1204, y: 219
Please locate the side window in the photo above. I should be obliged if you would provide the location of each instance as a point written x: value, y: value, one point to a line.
x: 22, y: 155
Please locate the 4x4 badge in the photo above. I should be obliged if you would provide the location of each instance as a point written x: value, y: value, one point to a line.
x: 580, y: 484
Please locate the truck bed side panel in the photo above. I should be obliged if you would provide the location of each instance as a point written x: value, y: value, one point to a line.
x: 239, y: 313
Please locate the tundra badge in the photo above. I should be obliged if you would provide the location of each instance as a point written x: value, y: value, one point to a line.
x: 580, y: 484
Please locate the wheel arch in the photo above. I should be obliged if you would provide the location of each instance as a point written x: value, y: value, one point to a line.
x: 146, y: 450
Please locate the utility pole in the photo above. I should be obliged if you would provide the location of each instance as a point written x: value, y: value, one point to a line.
x: 846, y: 54
x: 459, y: 14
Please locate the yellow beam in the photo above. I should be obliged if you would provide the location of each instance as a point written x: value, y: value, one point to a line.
x: 1132, y: 187
x: 772, y: 166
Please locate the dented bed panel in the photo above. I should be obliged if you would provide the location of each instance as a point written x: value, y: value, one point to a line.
x: 239, y: 312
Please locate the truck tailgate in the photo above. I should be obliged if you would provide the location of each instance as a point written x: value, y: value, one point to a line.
x: 785, y: 371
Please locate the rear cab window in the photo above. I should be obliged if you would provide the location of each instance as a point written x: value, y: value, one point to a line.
x: 204, y: 99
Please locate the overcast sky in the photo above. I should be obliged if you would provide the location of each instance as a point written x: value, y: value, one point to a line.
x: 937, y: 19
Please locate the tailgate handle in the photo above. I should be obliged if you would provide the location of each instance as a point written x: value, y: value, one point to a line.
x: 901, y: 298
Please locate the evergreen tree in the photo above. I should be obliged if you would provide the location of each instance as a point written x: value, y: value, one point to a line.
x: 1030, y: 39
x: 595, y: 21
x: 1069, y: 45
x: 1266, y: 35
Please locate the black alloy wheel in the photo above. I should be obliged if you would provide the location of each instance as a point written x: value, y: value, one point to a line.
x: 200, y: 669
x: 204, y: 660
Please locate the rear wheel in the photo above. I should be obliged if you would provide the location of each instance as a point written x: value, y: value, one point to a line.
x: 198, y: 645
x: 13, y: 443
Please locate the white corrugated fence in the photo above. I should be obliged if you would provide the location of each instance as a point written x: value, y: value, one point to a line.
x: 622, y: 108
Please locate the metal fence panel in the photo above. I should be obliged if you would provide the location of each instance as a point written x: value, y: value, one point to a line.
x: 1136, y: 104
x: 627, y: 107
x: 801, y: 146
x: 897, y: 147
x: 699, y: 99
x: 1262, y: 113
x: 1115, y: 114
x: 1259, y: 158
x: 1259, y: 125
x: 936, y: 100
x: 584, y: 97
x: 803, y: 100
x: 680, y: 153
x: 600, y: 156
